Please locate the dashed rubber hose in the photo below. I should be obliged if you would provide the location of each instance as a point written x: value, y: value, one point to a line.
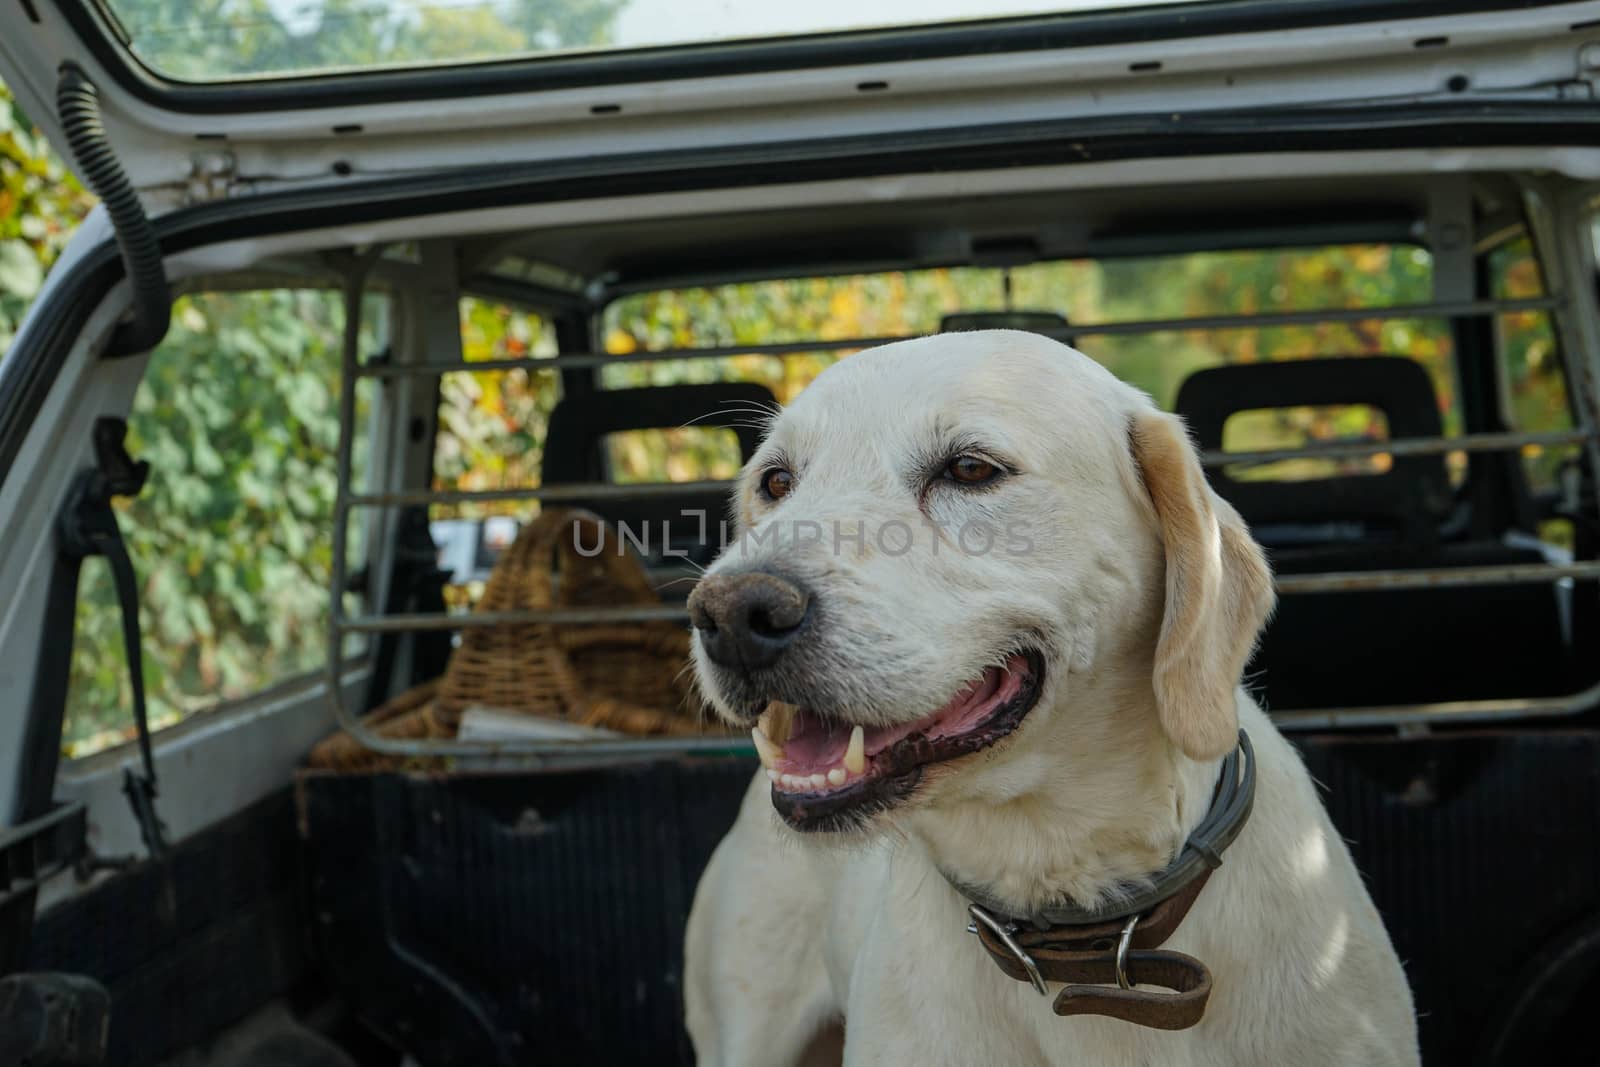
x: 78, y: 107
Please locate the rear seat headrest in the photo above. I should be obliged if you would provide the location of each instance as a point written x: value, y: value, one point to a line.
x: 1411, y: 495
x: 579, y: 424
x: 1051, y: 323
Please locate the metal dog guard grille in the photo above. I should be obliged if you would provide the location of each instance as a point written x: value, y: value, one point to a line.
x: 543, y: 752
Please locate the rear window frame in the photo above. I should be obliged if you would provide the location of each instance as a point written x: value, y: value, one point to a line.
x: 100, y: 31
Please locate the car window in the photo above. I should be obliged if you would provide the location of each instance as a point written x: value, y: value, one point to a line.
x: 41, y: 204
x: 492, y: 423
x: 1534, y: 383
x: 1084, y: 291
x: 220, y: 40
x: 1298, y: 427
x: 491, y: 436
x: 676, y: 454
x: 237, y: 414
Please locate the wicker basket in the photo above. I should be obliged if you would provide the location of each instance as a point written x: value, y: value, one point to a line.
x: 630, y: 677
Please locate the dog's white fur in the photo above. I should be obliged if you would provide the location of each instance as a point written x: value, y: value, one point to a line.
x: 1148, y: 593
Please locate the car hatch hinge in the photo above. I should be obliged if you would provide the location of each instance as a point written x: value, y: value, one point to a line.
x: 212, y: 175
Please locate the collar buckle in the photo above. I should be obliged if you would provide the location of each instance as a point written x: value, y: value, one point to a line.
x: 1003, y: 931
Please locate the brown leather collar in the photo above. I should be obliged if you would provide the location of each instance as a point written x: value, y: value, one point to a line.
x: 1085, y: 957
x: 1102, y: 961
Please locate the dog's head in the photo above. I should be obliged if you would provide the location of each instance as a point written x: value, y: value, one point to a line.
x: 941, y: 544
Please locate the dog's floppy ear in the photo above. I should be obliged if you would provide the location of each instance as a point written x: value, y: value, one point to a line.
x: 1219, y: 591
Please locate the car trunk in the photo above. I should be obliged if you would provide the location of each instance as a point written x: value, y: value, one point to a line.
x: 522, y: 901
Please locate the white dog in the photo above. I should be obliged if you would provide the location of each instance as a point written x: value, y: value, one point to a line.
x: 989, y: 620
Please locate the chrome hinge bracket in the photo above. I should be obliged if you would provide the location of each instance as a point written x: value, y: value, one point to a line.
x: 212, y: 175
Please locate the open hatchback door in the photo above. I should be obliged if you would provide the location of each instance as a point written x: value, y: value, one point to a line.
x: 374, y: 281
x: 222, y: 99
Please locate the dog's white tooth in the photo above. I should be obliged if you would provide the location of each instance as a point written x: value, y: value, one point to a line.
x: 791, y: 781
x: 773, y: 775
x: 837, y: 776
x: 818, y: 781
x: 855, y: 757
x: 777, y: 721
x: 769, y: 752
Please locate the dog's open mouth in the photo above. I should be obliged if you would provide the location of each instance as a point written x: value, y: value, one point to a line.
x: 828, y: 773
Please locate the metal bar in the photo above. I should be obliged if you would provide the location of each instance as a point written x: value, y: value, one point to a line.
x: 1558, y: 214
x: 1456, y: 711
x: 554, y: 753
x: 548, y: 753
x: 356, y: 272
x: 1408, y: 446
x: 565, y: 753
x: 590, y: 360
x: 661, y: 577
x: 1435, y: 577
x: 378, y: 624
x: 1451, y: 310
x: 552, y: 493
x: 1465, y: 309
x: 37, y: 850
x: 1404, y: 446
x: 1289, y: 584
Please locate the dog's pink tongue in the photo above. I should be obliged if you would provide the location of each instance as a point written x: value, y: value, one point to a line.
x: 818, y: 744
x: 815, y: 742
x: 965, y: 710
x: 998, y: 686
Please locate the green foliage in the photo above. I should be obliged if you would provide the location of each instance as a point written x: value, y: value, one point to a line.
x: 492, y: 423
x: 41, y: 203
x: 237, y: 414
x: 201, y: 40
x: 1535, y: 385
x: 1213, y: 283
x: 480, y: 451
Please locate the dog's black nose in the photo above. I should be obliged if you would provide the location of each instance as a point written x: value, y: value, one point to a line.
x: 747, y: 620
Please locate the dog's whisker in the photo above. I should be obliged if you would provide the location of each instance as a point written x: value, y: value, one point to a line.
x: 736, y: 407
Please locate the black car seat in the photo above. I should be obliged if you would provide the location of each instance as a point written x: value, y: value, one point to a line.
x: 1379, y: 647
x: 574, y: 453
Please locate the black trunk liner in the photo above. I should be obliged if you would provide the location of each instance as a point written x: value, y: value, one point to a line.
x: 539, y: 919
x: 525, y: 919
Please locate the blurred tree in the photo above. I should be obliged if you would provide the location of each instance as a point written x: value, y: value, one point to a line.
x: 202, y: 40
x: 1534, y: 380
x: 547, y: 25
x: 491, y: 423
x: 41, y: 203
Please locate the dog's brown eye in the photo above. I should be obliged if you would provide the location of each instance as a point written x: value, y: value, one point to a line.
x: 777, y: 482
x: 970, y: 470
